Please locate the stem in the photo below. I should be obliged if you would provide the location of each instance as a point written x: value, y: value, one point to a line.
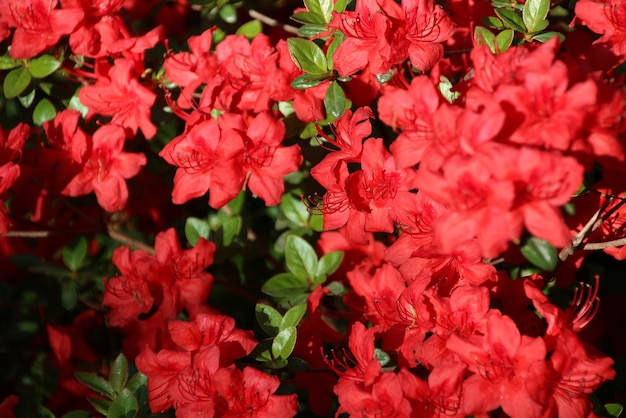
x: 602, y: 245
x: 272, y: 22
x: 125, y: 239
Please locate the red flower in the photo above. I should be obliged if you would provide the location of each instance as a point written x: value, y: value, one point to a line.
x: 11, y: 145
x: 607, y: 18
x: 119, y: 94
x: 38, y: 24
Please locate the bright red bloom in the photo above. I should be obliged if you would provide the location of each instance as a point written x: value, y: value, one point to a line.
x: 381, y: 34
x: 384, y: 398
x: 11, y: 145
x: 509, y: 369
x: 38, y: 24
x: 607, y: 18
x: 119, y: 94
x: 7, y: 405
x: 106, y: 169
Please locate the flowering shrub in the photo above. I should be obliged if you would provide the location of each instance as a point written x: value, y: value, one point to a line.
x: 377, y: 208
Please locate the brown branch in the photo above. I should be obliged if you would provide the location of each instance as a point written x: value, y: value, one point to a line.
x: 125, y: 239
x: 27, y: 234
x: 272, y: 22
x: 591, y: 246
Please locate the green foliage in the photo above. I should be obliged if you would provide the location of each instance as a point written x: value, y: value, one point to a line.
x: 307, y: 55
x: 540, y: 253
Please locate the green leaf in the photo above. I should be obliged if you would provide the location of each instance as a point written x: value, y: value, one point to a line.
x: 335, y: 101
x: 493, y: 22
x: 320, y: 8
x: 546, y: 36
x: 119, y: 373
x: 44, y: 112
x: 310, y: 30
x: 268, y: 318
x: 541, y: 253
x: 340, y: 5
x: 95, y: 383
x: 16, y: 82
x: 307, y: 55
x: 137, y: 381
x: 69, y: 295
x: 293, y: 316
x: 483, y: 36
x: 228, y: 13
x: 284, y: 342
x: 504, y: 40
x: 445, y: 88
x: 534, y: 14
x: 382, y: 357
x: 300, y: 258
x: 285, y: 285
x: 511, y: 19
x: 101, y: 405
x: 294, y: 209
x: 27, y: 99
x: 308, y: 18
x: 78, y: 414
x: 76, y: 104
x: 124, y: 406
x: 614, y: 409
x: 332, y: 48
x: 305, y: 81
x: 74, y: 254
x: 8, y: 63
x: 384, y: 78
x: 196, y: 228
x: 329, y: 263
x: 43, y: 66
x: 230, y: 228
x: 250, y: 29
x: 316, y: 222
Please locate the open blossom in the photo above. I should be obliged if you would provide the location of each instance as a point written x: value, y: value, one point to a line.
x: 38, y: 24
x: 381, y: 34
x: 607, y: 18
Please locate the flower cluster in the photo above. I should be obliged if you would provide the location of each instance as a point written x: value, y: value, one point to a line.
x: 406, y: 199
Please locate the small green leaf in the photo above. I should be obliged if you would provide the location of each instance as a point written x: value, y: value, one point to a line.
x: 196, y: 228
x: 300, y: 258
x: 137, y: 381
x: 329, y: 263
x: 493, y: 22
x: 285, y: 285
x: 228, y: 13
x: 74, y: 254
x: 534, y: 14
x: 95, y: 383
x: 230, y: 228
x: 27, y: 99
x: 382, y: 357
x: 316, y: 222
x: 284, y: 342
x: 119, y: 373
x: 250, y: 29
x: 511, y: 19
x: 384, y: 78
x: 78, y: 414
x: 320, y: 8
x: 101, y: 405
x: 306, y: 81
x: 332, y: 48
x: 76, y: 104
x: 16, y: 82
x: 308, y: 18
x: 483, y: 36
x: 504, y: 40
x: 293, y: 316
x: 268, y: 318
x: 8, y: 63
x: 307, y: 55
x: 614, y: 409
x: 44, y: 112
x: 43, y: 66
x: 541, y: 253
x: 124, y: 406
x: 335, y: 101
x: 294, y: 209
x: 310, y: 30
x: 546, y: 36
x: 445, y: 88
x: 340, y: 5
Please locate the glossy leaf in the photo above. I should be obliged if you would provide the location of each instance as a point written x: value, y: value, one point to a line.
x: 329, y: 263
x: 124, y: 406
x: 8, y: 63
x: 307, y: 55
x: 119, y: 373
x: 44, y: 112
x: 335, y: 101
x: 534, y: 14
x: 300, y: 258
x: 504, y: 40
x: 540, y: 253
x: 308, y: 18
x: 305, y: 81
x: 320, y: 8
x: 483, y: 36
x: 285, y: 285
x: 268, y: 318
x: 284, y: 343
x: 95, y: 383
x: 294, y: 209
x: 228, y: 13
x: 511, y: 19
x: 293, y: 316
x: 43, y: 66
x: 250, y: 29
x: 16, y: 82
x: 196, y: 228
x: 74, y: 254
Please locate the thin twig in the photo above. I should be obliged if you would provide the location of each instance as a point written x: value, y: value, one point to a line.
x: 255, y: 14
x: 28, y: 234
x: 125, y: 239
x: 603, y: 245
